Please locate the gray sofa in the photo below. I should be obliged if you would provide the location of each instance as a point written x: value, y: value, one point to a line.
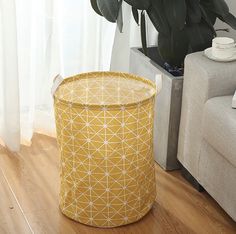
x: 207, y: 138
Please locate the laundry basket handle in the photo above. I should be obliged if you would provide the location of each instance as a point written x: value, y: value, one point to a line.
x: 56, y: 83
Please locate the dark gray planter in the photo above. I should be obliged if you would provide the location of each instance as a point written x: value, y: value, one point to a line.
x: 168, y: 107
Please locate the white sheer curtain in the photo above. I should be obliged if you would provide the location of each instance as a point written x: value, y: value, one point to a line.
x: 39, y: 39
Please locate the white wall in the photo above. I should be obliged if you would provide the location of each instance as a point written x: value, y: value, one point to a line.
x: 232, y: 7
x: 129, y: 38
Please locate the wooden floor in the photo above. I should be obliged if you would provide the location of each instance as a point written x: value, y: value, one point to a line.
x: 29, y: 185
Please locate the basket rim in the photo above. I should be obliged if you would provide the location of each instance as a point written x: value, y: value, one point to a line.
x: 107, y: 73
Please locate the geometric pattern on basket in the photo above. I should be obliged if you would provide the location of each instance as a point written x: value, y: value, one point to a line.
x: 107, y: 167
x: 105, y: 88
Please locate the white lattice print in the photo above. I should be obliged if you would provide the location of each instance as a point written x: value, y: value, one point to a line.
x: 105, y: 133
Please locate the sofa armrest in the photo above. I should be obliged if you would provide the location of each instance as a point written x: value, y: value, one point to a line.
x: 209, y: 78
x: 203, y: 79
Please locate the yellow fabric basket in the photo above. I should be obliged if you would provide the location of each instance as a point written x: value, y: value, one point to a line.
x: 104, y: 126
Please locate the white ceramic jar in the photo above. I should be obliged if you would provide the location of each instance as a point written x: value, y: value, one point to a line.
x: 223, y: 47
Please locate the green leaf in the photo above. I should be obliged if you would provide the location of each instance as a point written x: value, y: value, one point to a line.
x: 208, y: 20
x: 219, y: 7
x: 95, y: 7
x: 176, y: 13
x: 210, y: 15
x: 193, y: 11
x: 229, y: 19
x: 120, y: 17
x: 139, y: 4
x: 109, y: 9
x: 200, y: 36
x: 158, y: 18
x: 221, y: 10
x: 173, y: 49
x: 143, y: 33
x: 135, y: 15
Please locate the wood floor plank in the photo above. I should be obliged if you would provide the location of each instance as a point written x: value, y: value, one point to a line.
x: 11, y: 218
x: 34, y: 176
x: 196, y: 210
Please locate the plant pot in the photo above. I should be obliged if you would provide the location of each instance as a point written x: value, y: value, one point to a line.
x: 167, y: 107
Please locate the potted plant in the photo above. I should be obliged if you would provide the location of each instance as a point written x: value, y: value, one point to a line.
x: 184, y: 26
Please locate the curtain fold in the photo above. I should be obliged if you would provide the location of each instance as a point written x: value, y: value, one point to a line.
x: 38, y: 40
x: 9, y: 82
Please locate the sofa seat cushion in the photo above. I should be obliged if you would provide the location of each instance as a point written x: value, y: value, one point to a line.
x: 219, y: 126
